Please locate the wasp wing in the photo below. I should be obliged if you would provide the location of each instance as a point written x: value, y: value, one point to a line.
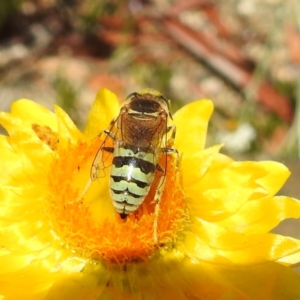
x: 104, y: 156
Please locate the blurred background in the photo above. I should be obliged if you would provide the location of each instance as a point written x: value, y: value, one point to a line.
x: 244, y: 55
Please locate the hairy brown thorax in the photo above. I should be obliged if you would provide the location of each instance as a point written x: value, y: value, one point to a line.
x: 143, y: 120
x: 140, y: 130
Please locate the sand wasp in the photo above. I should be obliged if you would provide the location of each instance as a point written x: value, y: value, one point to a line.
x: 136, y: 140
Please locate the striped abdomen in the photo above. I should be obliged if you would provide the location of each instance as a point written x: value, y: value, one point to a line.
x: 132, y: 173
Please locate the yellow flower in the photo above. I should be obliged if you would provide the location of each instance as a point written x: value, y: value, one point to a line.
x: 61, y: 242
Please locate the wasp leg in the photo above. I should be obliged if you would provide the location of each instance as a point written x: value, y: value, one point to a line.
x: 171, y: 129
x: 157, y: 197
x: 111, y: 135
x: 159, y: 192
x: 168, y: 149
x: 171, y: 151
x: 160, y: 168
x: 83, y: 192
x: 108, y: 149
x: 161, y: 185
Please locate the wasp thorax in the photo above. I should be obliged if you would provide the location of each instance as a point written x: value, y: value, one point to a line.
x: 144, y: 120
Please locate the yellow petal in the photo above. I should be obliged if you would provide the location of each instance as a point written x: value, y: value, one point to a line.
x: 276, y: 176
x: 32, y: 112
x: 191, y: 124
x: 240, y: 248
x: 261, y: 216
x: 204, y: 282
x: 68, y: 132
x: 87, y: 284
x: 9, y: 161
x: 33, y: 282
x: 255, y: 175
x: 31, y: 151
x: 104, y: 110
x: 290, y: 259
x: 218, y: 204
x: 194, y: 166
x: 269, y: 281
x: 196, y: 248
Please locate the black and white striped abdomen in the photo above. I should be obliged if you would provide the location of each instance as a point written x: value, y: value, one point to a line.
x: 131, y: 175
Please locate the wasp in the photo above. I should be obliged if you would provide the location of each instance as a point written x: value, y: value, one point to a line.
x: 140, y: 135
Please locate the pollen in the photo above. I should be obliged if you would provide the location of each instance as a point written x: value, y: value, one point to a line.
x: 46, y: 135
x: 89, y: 223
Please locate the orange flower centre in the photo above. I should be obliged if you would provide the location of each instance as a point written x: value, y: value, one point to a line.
x: 88, y: 222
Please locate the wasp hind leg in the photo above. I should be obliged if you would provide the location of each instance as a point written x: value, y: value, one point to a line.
x: 157, y: 197
x: 167, y: 150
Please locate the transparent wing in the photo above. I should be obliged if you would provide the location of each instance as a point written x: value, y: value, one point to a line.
x: 104, y: 156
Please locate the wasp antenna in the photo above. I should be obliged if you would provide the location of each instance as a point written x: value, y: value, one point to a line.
x: 163, y: 98
x: 131, y: 95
